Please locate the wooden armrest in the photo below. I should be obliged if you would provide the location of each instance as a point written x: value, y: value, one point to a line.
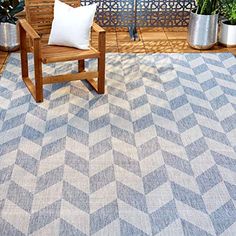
x: 101, y: 37
x: 29, y: 29
x: 98, y: 28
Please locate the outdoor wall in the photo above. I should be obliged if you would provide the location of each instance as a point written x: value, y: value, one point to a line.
x: 159, y: 13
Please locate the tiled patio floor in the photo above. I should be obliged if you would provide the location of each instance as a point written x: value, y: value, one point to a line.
x: 151, y: 40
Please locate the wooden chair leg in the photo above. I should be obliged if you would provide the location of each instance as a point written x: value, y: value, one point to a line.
x: 101, y: 75
x: 38, y: 72
x: 81, y: 65
x: 23, y: 54
x: 101, y: 63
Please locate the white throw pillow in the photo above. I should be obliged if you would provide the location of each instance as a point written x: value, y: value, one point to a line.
x: 71, y: 26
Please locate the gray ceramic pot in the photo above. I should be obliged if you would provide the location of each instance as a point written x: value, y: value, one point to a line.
x: 9, y: 37
x: 202, y: 30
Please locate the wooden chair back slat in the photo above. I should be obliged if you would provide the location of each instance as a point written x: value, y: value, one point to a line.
x: 39, y: 13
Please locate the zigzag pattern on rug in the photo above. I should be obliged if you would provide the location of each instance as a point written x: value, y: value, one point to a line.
x: 155, y: 155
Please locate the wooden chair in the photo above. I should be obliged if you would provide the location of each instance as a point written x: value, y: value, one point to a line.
x: 39, y: 16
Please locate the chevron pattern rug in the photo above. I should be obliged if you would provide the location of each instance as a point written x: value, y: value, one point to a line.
x: 155, y: 155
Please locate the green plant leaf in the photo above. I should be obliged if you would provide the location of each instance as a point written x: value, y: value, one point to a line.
x: 207, y: 7
x: 228, y: 10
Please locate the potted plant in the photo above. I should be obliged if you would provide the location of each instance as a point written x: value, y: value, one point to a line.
x: 9, y: 35
x: 203, y: 24
x: 227, y: 35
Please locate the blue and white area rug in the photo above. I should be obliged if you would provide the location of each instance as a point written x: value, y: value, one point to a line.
x: 155, y: 155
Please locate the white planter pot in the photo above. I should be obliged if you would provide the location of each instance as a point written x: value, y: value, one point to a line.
x: 9, y: 37
x: 227, y: 35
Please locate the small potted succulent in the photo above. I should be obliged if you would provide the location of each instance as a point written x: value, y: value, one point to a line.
x: 9, y: 35
x: 227, y: 35
x: 203, y: 24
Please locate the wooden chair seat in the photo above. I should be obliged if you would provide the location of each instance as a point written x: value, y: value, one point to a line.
x: 51, y: 54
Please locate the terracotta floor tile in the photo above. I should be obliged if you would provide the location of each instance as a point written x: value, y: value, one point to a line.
x: 121, y: 29
x: 175, y: 29
x: 110, y: 29
x: 181, y: 46
x: 153, y: 36
x: 176, y: 35
x: 163, y: 46
x: 3, y: 58
x: 111, y: 36
x: 112, y: 49
x: 123, y: 36
x: 151, y: 29
x: 131, y: 47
